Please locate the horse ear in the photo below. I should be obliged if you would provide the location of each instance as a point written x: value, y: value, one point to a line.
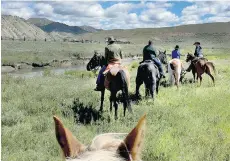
x: 165, y: 52
x: 70, y: 146
x: 131, y: 148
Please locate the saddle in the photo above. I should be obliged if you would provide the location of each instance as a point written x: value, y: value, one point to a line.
x: 112, y: 70
x: 151, y: 62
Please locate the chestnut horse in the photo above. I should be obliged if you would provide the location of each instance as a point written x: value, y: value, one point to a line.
x: 104, y: 147
x: 200, y: 66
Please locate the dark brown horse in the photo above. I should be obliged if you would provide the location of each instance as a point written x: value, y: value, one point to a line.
x: 200, y: 66
x: 148, y: 74
x: 117, y: 82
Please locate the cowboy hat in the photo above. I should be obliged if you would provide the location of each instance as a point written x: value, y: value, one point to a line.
x: 111, y: 39
x: 196, y: 43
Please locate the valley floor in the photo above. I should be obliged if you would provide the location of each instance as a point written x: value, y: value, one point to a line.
x: 192, y: 123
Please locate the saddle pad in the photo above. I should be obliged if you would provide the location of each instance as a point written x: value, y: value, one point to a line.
x: 109, y: 76
x: 113, y: 68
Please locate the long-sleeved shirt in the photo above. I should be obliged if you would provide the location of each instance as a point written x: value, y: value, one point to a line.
x: 176, y: 54
x: 113, y: 53
x: 149, y: 52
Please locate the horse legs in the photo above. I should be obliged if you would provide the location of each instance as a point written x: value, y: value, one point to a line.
x: 114, y: 100
x: 200, y: 80
x: 157, y: 85
x: 126, y: 102
x: 147, y: 90
x: 139, y: 82
x: 102, y: 99
x: 152, y: 89
x: 177, y: 78
x: 199, y: 76
x: 111, y: 103
x: 194, y: 74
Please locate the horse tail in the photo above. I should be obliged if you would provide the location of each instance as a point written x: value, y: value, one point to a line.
x: 172, y: 66
x: 211, y: 66
x: 124, y: 81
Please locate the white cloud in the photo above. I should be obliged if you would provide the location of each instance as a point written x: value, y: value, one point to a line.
x: 44, y: 9
x: 20, y: 9
x: 120, y: 15
x: 158, y: 13
x: 211, y: 11
x: 118, y: 9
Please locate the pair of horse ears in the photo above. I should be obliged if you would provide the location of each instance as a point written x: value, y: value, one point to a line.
x: 130, y: 149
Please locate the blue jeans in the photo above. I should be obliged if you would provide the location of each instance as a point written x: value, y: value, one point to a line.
x: 159, y: 65
x: 100, y: 77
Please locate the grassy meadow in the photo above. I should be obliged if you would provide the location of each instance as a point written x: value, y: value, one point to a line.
x: 14, y: 52
x: 192, y: 123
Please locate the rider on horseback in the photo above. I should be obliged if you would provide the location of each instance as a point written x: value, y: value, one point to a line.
x: 198, y: 50
x: 198, y: 55
x: 150, y: 53
x: 176, y: 53
x: 113, y: 55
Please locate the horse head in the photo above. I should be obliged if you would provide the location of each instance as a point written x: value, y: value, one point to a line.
x: 189, y: 57
x: 95, y: 61
x: 163, y: 57
x: 104, y: 147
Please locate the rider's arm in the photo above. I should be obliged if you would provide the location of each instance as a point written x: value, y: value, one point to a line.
x: 154, y: 53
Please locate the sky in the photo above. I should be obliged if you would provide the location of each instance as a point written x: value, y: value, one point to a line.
x: 121, y: 14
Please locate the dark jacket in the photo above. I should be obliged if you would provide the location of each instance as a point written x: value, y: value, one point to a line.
x: 149, y: 52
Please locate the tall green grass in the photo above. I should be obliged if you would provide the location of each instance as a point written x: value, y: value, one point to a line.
x: 192, y: 123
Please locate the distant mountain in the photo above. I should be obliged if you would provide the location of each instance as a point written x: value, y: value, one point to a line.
x: 18, y: 28
x: 39, y: 21
x: 51, y: 26
x: 60, y: 27
x: 90, y: 29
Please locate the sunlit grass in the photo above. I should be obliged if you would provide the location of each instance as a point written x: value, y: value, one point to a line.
x: 192, y: 123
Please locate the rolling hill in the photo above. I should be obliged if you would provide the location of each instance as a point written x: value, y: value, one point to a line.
x: 60, y: 27
x: 51, y: 26
x: 213, y: 34
x: 18, y: 28
x: 210, y: 34
x: 14, y: 27
x: 39, y: 21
